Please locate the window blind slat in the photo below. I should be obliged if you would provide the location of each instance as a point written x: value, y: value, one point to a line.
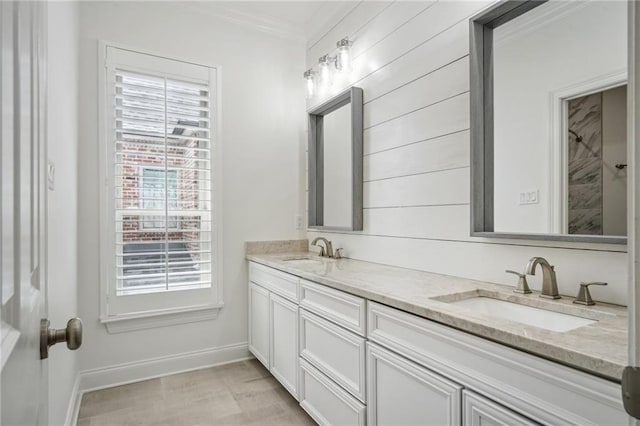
x: 132, y: 145
x: 149, y: 122
x: 162, y: 136
x: 151, y: 155
x: 184, y: 169
x: 173, y: 116
x: 145, y: 103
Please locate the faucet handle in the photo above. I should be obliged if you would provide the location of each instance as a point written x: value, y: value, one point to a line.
x: 523, y: 286
x: 338, y: 253
x: 584, y: 295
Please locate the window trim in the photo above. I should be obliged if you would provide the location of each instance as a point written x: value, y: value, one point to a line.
x: 145, y: 319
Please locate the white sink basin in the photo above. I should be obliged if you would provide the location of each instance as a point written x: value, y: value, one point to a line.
x: 303, y: 261
x: 541, y: 318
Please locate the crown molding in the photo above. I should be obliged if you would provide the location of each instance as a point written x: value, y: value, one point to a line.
x: 328, y: 13
x: 249, y: 20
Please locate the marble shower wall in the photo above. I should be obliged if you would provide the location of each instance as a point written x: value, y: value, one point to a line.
x: 585, y: 165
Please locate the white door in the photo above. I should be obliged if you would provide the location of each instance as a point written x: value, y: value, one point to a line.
x: 24, y: 376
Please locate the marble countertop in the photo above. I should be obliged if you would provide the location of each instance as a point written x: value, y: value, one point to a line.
x: 599, y: 348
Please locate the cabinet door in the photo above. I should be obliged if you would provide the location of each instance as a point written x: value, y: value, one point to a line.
x: 401, y: 392
x: 479, y: 411
x: 284, y: 342
x: 259, y: 323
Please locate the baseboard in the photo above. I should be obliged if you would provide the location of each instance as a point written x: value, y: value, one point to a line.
x: 115, y: 375
x: 74, y: 403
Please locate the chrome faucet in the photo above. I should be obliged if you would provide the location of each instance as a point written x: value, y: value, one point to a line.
x: 327, y: 250
x: 549, y: 283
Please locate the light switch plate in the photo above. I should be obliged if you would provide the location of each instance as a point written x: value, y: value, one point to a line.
x: 298, y: 221
x: 529, y: 197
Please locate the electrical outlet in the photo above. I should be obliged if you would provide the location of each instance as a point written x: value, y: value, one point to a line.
x: 298, y: 221
x: 529, y: 197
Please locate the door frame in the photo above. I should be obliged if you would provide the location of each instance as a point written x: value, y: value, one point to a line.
x: 633, y: 183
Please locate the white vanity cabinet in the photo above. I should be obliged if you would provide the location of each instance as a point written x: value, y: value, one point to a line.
x: 352, y: 361
x: 525, y: 386
x: 273, y: 323
x: 402, y: 392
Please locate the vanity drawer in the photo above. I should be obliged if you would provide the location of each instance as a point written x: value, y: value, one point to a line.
x: 344, y: 309
x: 326, y: 402
x: 283, y: 284
x: 335, y: 351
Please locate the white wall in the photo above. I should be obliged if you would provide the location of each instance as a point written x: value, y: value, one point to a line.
x: 262, y: 133
x: 563, y: 44
x: 62, y: 135
x: 412, y: 62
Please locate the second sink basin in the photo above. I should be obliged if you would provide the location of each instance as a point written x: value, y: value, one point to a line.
x: 529, y: 315
x: 303, y: 260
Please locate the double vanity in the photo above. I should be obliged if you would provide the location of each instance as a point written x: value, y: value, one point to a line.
x: 362, y: 343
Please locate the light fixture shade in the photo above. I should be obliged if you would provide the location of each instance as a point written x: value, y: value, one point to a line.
x: 343, y: 57
x: 324, y: 64
x: 310, y: 80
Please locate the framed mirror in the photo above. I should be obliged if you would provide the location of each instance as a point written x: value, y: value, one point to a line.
x: 335, y: 163
x: 549, y: 121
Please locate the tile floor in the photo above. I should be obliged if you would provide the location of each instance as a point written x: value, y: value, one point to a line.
x: 242, y: 393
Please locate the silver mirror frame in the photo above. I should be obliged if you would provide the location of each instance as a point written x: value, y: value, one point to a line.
x: 482, y: 149
x: 353, y: 97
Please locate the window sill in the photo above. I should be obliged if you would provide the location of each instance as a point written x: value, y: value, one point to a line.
x: 143, y: 321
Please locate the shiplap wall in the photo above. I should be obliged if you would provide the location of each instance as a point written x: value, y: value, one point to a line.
x: 411, y: 60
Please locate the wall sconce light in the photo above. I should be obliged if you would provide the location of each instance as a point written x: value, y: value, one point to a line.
x: 324, y: 63
x: 343, y: 57
x: 341, y: 61
x: 309, y: 76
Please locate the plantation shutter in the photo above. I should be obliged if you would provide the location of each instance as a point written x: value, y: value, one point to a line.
x: 162, y: 166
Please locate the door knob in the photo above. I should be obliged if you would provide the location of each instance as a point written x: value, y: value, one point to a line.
x: 50, y: 336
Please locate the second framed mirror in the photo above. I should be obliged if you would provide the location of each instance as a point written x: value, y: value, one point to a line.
x: 335, y: 163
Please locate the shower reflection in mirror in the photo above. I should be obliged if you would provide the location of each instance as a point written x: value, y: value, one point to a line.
x: 596, y: 175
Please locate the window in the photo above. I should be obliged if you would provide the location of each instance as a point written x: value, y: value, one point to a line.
x: 153, y: 186
x: 160, y: 248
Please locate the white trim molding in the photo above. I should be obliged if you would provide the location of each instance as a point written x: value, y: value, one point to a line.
x: 125, y: 323
x: 136, y: 371
x: 75, y: 399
